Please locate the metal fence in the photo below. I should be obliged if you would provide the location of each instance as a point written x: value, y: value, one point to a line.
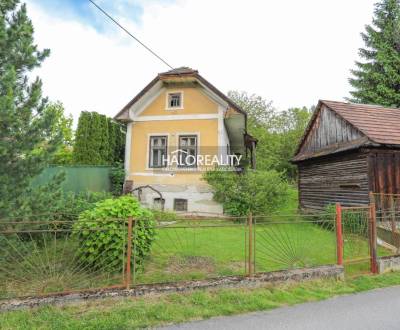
x: 45, y: 257
x: 78, y: 178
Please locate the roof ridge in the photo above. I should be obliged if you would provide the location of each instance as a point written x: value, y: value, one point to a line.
x: 369, y: 105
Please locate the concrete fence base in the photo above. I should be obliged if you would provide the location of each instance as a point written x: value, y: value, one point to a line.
x: 330, y: 271
x: 389, y: 263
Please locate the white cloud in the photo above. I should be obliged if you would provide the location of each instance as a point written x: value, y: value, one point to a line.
x: 291, y: 52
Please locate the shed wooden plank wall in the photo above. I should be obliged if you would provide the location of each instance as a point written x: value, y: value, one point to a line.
x: 339, y: 178
x: 328, y: 129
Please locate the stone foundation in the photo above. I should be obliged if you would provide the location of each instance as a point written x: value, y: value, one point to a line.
x: 331, y: 271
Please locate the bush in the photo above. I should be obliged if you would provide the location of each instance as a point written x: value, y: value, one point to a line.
x: 102, y: 233
x: 261, y: 192
x: 164, y: 215
x: 117, y: 178
x: 71, y: 204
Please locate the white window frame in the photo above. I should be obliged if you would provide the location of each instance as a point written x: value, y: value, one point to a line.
x: 149, y: 151
x: 189, y: 135
x: 167, y: 107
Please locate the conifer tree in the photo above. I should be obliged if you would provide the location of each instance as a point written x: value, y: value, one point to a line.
x: 103, y: 140
x: 99, y: 140
x: 376, y: 79
x: 80, y: 153
x: 28, y: 137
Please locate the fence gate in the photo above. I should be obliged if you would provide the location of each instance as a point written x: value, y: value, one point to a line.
x: 356, y: 238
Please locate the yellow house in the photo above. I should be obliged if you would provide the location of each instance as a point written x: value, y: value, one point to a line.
x: 178, y: 126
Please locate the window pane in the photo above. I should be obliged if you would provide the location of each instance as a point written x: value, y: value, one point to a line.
x: 180, y: 204
x: 188, y: 145
x: 174, y: 100
x: 158, y: 148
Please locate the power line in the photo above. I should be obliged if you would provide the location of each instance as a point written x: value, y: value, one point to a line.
x: 130, y: 34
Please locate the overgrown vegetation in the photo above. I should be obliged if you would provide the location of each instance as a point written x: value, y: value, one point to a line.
x: 151, y: 312
x: 117, y: 178
x: 260, y: 192
x: 102, y: 232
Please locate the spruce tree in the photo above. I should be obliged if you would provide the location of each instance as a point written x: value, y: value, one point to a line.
x: 28, y: 137
x: 377, y: 79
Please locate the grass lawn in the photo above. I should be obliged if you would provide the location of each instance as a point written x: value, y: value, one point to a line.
x: 131, y: 313
x: 199, y: 251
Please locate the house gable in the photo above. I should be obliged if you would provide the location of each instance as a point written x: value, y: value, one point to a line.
x: 328, y: 132
x: 194, y: 101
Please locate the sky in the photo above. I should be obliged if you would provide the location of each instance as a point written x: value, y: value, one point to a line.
x: 290, y: 52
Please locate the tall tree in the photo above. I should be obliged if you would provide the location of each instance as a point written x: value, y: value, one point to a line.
x: 377, y: 79
x: 99, y: 140
x: 81, y: 152
x: 28, y: 134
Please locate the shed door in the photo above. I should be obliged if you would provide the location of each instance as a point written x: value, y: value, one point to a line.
x: 384, y: 172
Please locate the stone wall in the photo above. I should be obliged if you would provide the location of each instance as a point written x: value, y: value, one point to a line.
x: 331, y: 271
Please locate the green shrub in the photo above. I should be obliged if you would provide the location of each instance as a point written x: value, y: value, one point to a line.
x: 117, y: 178
x: 164, y: 215
x: 261, y: 192
x: 102, y: 233
x: 71, y: 204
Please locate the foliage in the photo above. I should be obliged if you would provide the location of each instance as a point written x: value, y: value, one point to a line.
x: 376, y: 80
x: 102, y: 232
x: 260, y: 192
x: 56, y: 204
x: 99, y: 140
x: 278, y: 133
x: 29, y: 133
x: 63, y: 156
x: 260, y: 112
x: 117, y: 178
x: 167, y: 216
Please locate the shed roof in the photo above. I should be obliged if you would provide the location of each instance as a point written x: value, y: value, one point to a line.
x: 379, y: 125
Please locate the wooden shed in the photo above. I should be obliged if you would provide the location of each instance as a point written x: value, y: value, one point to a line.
x: 347, y: 151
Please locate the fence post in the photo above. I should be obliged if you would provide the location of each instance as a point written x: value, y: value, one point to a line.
x: 373, y: 238
x: 339, y: 234
x: 129, y: 254
x: 250, y: 228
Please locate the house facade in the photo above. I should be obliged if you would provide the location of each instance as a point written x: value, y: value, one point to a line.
x: 178, y: 126
x: 347, y: 151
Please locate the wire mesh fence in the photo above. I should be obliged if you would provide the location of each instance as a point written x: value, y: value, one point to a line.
x: 40, y: 257
x: 356, y: 239
x: 294, y: 241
